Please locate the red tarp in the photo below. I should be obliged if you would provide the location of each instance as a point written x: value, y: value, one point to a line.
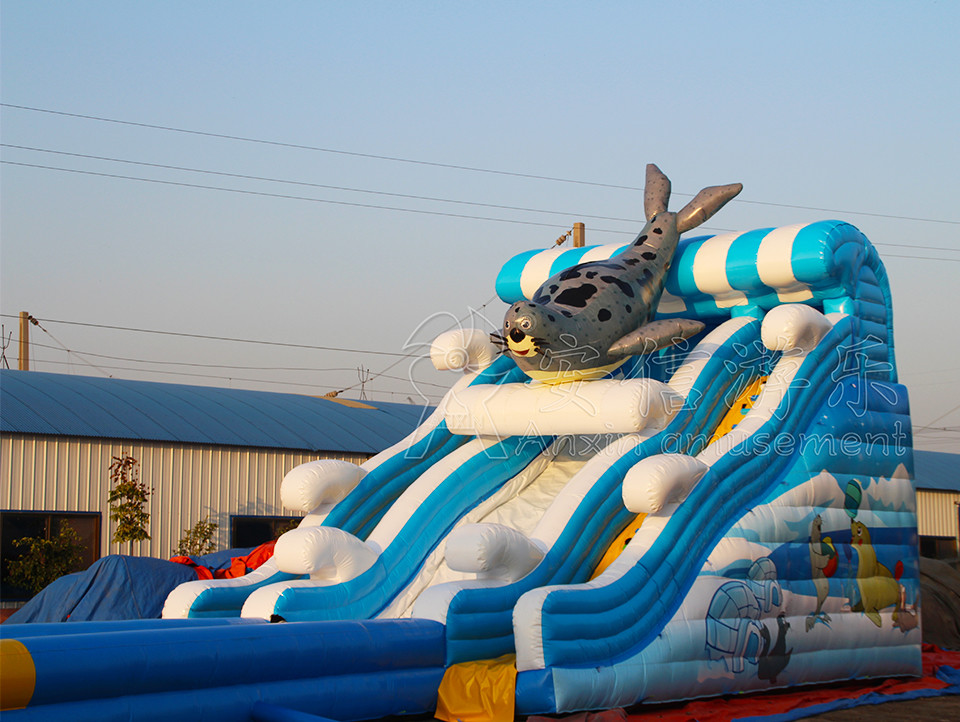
x: 238, y: 565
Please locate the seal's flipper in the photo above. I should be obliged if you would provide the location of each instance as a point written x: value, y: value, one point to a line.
x: 656, y: 192
x: 705, y: 204
x: 655, y: 335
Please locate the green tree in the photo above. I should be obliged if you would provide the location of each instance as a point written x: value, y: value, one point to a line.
x: 198, y: 539
x: 128, y: 497
x: 288, y: 526
x: 45, y: 559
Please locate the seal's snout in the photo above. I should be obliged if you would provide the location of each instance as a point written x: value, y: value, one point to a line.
x: 516, y: 335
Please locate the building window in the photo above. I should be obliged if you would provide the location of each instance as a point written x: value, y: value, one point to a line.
x: 251, y: 531
x: 937, y: 547
x: 44, y: 525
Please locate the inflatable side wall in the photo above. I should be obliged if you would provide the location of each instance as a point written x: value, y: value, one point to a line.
x: 715, y: 500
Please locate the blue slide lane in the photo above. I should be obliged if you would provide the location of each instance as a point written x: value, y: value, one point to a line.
x: 480, y: 621
x: 596, y: 627
x: 367, y: 594
x: 363, y: 507
x: 366, y: 504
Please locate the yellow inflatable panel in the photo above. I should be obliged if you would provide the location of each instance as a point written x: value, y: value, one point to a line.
x: 739, y: 409
x: 618, y: 545
x: 478, y: 691
x: 18, y: 675
x: 741, y: 406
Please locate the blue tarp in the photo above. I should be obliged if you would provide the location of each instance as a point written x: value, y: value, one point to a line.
x: 115, y: 587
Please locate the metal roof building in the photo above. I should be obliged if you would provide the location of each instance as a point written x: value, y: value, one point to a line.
x: 204, y: 451
x: 937, y: 478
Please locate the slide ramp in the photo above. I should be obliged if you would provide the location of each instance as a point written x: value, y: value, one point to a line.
x: 653, y: 627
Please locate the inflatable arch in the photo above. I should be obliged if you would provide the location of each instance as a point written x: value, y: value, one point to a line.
x: 717, y: 500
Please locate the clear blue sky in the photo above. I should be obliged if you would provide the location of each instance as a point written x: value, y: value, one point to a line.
x: 847, y: 107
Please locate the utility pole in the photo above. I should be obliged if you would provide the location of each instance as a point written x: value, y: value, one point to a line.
x: 579, y: 235
x: 24, y: 352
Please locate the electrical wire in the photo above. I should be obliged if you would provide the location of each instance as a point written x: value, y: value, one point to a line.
x: 373, y: 206
x: 450, y: 166
x: 222, y: 338
x: 238, y: 378
x: 308, y: 369
x: 938, y: 430
x: 455, y: 324
x: 946, y: 413
x: 379, y: 374
x: 324, y: 186
x: 296, y: 198
x: 193, y: 364
x: 243, y: 176
x: 36, y: 323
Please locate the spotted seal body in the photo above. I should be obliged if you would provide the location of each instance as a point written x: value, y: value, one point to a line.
x: 587, y: 320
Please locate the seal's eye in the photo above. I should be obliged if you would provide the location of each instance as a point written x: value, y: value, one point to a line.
x: 506, y: 324
x: 525, y: 324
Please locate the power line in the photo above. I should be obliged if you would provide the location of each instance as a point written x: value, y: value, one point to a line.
x: 298, y: 198
x: 368, y: 191
x: 455, y: 324
x: 299, y: 146
x: 922, y: 258
x: 189, y: 364
x: 450, y: 166
x: 89, y: 363
x: 369, y: 205
x: 946, y: 413
x: 194, y: 364
x: 223, y: 338
x: 238, y: 378
x: 319, y: 185
x: 401, y: 357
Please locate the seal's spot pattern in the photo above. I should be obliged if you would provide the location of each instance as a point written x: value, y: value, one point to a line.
x: 622, y: 285
x: 606, y: 304
x: 576, y: 296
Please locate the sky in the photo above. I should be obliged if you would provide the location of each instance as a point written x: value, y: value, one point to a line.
x: 331, y: 184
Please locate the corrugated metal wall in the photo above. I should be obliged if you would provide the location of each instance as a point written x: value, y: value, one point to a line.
x: 55, y: 473
x: 937, y: 513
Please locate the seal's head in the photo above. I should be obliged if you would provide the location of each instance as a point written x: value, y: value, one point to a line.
x: 526, y: 329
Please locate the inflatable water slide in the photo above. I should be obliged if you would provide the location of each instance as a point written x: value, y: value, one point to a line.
x: 680, y: 468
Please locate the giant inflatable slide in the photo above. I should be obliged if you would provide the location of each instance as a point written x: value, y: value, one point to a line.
x: 680, y: 468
